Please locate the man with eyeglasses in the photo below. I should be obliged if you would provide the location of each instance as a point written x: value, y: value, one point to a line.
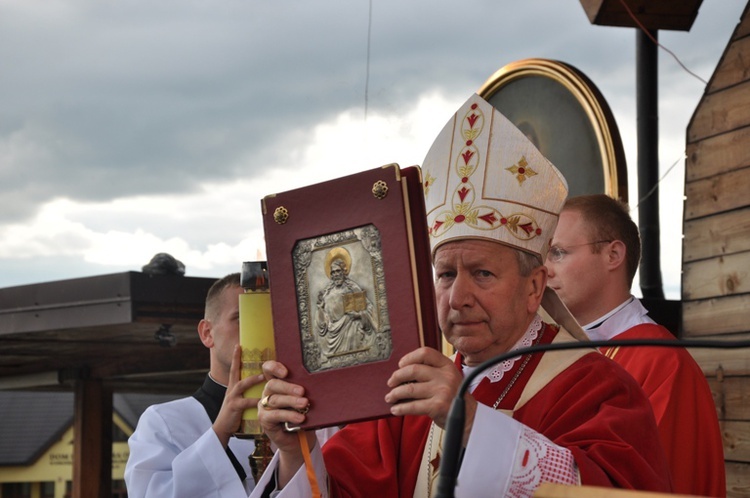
x: 594, y: 255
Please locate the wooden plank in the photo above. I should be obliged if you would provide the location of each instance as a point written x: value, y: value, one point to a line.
x: 721, y: 112
x: 723, y: 363
x: 732, y: 68
x: 731, y: 396
x: 738, y: 480
x: 720, y: 276
x: 736, y: 438
x: 717, y: 392
x: 743, y: 28
x: 92, y: 434
x: 724, y: 233
x: 718, y: 154
x: 735, y: 393
x: 664, y: 14
x: 723, y: 315
x: 717, y: 194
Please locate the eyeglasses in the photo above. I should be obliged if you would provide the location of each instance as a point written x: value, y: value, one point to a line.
x: 557, y: 254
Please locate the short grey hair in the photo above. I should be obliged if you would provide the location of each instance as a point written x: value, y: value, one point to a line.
x: 527, y: 262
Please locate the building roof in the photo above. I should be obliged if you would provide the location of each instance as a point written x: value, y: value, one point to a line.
x: 32, y: 421
x: 135, y: 331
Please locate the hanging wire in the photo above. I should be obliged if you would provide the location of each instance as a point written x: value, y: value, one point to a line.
x: 648, y: 33
x: 367, y: 70
x: 653, y: 189
x: 656, y: 42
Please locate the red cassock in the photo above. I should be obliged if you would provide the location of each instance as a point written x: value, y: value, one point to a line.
x: 593, y: 408
x: 684, y: 410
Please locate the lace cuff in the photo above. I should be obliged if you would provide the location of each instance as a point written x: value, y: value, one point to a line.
x: 506, y: 458
x: 539, y: 460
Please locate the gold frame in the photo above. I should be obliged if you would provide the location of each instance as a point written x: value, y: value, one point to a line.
x: 591, y: 101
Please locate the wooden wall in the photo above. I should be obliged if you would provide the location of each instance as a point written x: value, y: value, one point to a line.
x: 716, y: 245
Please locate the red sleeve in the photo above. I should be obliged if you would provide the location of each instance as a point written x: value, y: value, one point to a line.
x: 373, y: 459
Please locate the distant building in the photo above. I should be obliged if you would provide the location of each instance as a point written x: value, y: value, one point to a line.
x: 36, y: 441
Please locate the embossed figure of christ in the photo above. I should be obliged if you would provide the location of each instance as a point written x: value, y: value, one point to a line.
x: 344, y: 315
x: 341, y: 299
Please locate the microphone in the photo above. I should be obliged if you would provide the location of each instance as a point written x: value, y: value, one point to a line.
x: 454, y: 423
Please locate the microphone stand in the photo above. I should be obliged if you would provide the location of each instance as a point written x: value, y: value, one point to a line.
x: 454, y: 423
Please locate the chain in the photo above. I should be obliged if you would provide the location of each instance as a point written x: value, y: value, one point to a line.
x: 518, y: 373
x: 512, y: 381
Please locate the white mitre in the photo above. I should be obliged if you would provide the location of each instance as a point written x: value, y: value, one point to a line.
x: 483, y: 179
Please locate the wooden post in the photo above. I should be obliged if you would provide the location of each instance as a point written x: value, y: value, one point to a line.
x: 92, y: 447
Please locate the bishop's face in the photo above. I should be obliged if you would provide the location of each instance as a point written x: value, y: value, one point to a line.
x: 484, y: 304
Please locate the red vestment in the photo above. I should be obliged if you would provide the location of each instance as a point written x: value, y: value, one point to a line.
x: 593, y: 408
x: 684, y: 410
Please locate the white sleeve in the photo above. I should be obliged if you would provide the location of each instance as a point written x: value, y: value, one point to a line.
x: 505, y: 458
x: 299, y: 486
x: 158, y: 467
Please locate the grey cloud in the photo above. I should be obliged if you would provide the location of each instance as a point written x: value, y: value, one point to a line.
x: 104, y: 100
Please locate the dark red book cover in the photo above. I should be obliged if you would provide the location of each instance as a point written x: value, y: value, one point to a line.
x: 351, y: 287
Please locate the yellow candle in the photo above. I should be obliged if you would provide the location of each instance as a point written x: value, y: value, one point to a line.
x: 256, y: 339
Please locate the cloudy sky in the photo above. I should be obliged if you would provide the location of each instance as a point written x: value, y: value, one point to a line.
x: 135, y: 127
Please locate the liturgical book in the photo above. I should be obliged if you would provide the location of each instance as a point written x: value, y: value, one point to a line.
x: 351, y: 288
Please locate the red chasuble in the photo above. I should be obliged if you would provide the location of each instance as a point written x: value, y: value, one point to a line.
x: 684, y: 410
x: 593, y: 408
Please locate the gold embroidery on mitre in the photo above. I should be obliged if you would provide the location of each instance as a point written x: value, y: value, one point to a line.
x: 522, y: 170
x: 427, y: 183
x: 483, y: 218
x: 472, y: 124
x: 520, y: 225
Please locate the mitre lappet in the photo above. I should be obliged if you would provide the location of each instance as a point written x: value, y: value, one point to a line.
x: 484, y: 179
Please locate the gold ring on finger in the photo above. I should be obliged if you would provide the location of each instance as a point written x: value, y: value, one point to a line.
x: 264, y: 401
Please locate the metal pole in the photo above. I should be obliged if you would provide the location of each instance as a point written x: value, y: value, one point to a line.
x: 647, y: 78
